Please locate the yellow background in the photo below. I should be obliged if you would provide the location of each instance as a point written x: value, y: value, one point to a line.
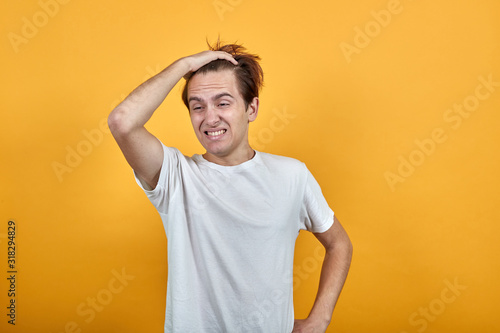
x: 353, y: 117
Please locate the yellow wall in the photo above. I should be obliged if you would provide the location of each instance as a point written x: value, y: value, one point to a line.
x: 387, y: 102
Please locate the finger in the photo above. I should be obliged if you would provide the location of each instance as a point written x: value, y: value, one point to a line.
x: 229, y: 57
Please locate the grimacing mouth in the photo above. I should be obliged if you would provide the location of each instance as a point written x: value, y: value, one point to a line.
x: 215, y: 133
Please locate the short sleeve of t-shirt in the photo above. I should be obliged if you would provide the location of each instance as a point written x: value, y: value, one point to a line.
x: 168, y: 181
x: 316, y: 215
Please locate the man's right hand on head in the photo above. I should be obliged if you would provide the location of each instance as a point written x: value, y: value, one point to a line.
x: 198, y: 60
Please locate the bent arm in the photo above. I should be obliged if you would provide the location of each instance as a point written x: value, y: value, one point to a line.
x: 333, y: 275
x: 141, y: 149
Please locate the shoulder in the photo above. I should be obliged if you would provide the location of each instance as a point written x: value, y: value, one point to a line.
x: 283, y: 163
x: 174, y: 159
x: 172, y: 154
x: 170, y: 150
x: 279, y: 158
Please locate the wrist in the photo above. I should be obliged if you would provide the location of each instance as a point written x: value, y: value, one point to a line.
x: 319, y: 320
x: 185, y: 64
x: 179, y: 68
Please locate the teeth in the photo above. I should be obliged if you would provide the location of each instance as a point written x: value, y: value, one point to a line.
x: 216, y: 133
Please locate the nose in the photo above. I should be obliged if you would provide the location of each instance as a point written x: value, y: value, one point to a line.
x: 212, y: 116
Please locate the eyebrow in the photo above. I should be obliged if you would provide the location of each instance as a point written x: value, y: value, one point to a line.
x: 216, y: 97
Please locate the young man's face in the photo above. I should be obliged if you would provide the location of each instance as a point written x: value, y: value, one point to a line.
x: 219, y: 117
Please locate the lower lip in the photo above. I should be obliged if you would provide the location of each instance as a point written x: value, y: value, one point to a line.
x: 215, y: 137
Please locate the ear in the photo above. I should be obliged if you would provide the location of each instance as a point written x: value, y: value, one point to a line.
x: 253, y: 109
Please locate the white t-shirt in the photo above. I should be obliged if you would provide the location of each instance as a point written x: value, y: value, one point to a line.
x: 231, y: 234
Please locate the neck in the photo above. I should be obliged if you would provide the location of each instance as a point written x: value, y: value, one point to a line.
x: 232, y: 159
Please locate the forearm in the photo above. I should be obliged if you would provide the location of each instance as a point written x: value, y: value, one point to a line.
x: 333, y: 275
x: 138, y: 107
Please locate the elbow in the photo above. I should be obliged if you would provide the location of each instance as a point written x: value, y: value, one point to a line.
x: 345, y: 247
x: 346, y: 244
x: 118, y: 122
x: 348, y: 252
x: 349, y: 248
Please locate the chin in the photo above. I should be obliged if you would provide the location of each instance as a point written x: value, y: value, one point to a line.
x: 218, y: 152
x: 216, y: 149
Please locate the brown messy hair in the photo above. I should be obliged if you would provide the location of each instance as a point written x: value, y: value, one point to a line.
x: 248, y: 73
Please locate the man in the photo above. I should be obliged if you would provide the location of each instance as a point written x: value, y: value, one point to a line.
x: 231, y: 215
